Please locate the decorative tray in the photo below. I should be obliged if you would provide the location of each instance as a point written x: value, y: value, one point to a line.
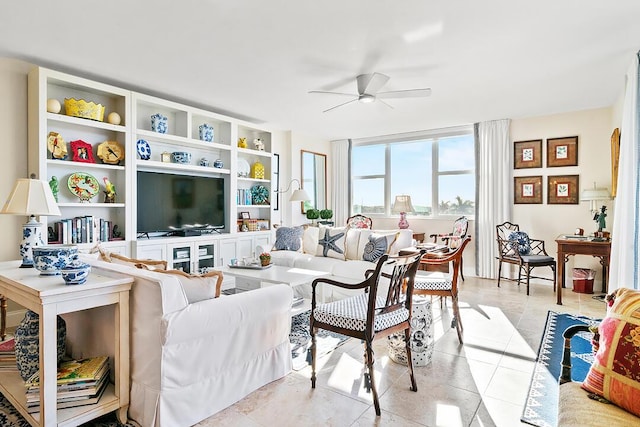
x: 251, y: 267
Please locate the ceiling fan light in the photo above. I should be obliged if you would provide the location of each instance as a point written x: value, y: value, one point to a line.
x: 366, y: 99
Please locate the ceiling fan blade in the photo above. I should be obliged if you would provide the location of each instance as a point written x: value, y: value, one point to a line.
x: 340, y: 105
x: 385, y: 103
x: 409, y: 93
x: 332, y: 93
x: 371, y: 83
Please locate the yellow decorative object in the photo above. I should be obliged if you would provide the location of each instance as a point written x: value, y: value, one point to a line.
x: 257, y: 170
x: 242, y: 142
x: 83, y: 109
x: 111, y: 152
x: 56, y: 145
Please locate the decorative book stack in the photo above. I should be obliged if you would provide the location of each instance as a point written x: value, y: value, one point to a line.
x: 80, y: 382
x: 8, y: 354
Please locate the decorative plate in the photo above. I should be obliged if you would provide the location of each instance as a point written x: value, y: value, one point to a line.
x: 260, y: 195
x: 143, y: 149
x: 83, y: 185
x: 243, y: 168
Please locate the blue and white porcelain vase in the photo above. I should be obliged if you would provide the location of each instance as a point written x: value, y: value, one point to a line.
x: 159, y: 123
x: 206, y: 132
x: 28, y: 343
x: 218, y: 164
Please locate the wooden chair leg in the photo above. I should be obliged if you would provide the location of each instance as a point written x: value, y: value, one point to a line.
x: 528, y: 276
x: 456, y: 313
x: 313, y: 356
x: 407, y: 340
x: 3, y: 318
x: 372, y: 382
x: 499, y: 272
x: 553, y: 268
x: 461, y: 273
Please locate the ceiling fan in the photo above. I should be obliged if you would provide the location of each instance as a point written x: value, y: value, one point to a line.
x: 368, y: 87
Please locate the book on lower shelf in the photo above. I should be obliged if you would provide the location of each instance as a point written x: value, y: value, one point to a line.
x: 79, y: 382
x: 8, y: 354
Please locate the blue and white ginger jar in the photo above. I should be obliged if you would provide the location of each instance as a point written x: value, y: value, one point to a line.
x: 206, y: 132
x: 159, y: 123
x: 28, y: 343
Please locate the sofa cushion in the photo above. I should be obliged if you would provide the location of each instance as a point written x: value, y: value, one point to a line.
x: 575, y: 409
x: 310, y: 240
x: 331, y: 242
x: 615, y: 372
x: 198, y: 287
x: 288, y: 238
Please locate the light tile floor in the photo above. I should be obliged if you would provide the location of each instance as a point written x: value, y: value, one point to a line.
x: 481, y: 383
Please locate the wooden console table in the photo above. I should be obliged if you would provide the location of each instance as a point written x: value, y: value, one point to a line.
x: 48, y: 296
x: 568, y: 246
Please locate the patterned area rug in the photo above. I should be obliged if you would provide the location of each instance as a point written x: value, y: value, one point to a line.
x: 300, y: 339
x: 541, y: 407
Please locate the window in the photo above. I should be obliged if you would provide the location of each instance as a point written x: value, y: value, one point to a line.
x: 436, y: 168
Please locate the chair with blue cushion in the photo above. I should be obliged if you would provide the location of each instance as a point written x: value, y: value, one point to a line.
x: 375, y: 313
x: 517, y: 248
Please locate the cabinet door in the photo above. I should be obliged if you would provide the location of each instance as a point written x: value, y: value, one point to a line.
x: 228, y: 251
x: 156, y: 252
x: 206, y: 255
x: 263, y: 240
x: 180, y: 257
x: 246, y: 248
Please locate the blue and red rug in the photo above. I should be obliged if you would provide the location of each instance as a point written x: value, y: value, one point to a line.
x: 541, y: 407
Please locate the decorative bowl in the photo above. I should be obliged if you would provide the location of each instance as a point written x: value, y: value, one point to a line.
x: 76, y: 273
x: 49, y: 260
x: 83, y: 109
x: 181, y: 157
x: 159, y: 123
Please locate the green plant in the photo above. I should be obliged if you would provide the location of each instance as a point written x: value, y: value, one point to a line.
x: 313, y: 214
x: 326, y: 213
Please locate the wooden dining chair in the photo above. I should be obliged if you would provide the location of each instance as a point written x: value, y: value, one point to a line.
x: 437, y: 284
x: 375, y: 313
x: 452, y: 239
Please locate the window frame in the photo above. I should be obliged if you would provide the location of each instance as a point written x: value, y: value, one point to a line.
x: 435, y: 135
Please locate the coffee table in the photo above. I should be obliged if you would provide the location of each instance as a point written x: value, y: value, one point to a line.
x: 275, y: 274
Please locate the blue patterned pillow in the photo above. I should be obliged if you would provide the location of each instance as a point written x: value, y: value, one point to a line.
x: 520, y: 241
x: 375, y: 248
x: 288, y: 238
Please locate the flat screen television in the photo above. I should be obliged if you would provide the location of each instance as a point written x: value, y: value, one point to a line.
x: 169, y: 202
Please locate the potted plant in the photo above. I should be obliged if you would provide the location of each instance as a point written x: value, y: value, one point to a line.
x: 265, y: 259
x: 326, y: 215
x: 313, y: 214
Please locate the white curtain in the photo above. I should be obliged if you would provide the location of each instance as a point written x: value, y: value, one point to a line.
x: 494, y: 190
x: 625, y: 243
x: 340, y: 184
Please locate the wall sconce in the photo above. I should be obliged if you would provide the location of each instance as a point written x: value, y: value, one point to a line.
x: 402, y: 205
x: 299, y: 195
x: 31, y: 197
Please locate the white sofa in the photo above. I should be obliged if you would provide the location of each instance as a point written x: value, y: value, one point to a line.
x: 349, y: 268
x: 189, y: 361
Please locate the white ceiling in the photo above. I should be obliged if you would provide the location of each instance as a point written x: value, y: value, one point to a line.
x: 257, y: 59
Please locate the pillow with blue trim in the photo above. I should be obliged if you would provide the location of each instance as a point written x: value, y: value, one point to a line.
x: 375, y: 248
x: 520, y: 242
x: 288, y: 238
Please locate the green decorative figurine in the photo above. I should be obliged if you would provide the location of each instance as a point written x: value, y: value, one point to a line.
x: 600, y: 218
x: 53, y: 183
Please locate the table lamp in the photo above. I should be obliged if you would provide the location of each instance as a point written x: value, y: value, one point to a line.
x: 594, y: 196
x: 31, y: 197
x: 402, y: 205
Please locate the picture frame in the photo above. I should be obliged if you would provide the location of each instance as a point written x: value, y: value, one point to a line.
x: 263, y: 224
x: 245, y: 215
x: 563, y: 189
x: 81, y: 151
x: 527, y: 190
x: 615, y: 161
x: 527, y: 154
x: 562, y: 151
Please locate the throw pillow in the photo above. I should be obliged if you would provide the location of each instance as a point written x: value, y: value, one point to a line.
x: 375, y: 248
x: 615, y: 372
x: 520, y: 242
x: 148, y: 264
x: 331, y: 242
x: 310, y: 240
x: 198, y: 287
x: 288, y: 238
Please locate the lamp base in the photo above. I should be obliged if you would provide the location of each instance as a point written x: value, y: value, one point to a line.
x: 403, y: 223
x: 31, y: 236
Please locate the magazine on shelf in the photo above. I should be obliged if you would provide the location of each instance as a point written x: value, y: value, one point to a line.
x: 71, y: 402
x: 63, y: 393
x: 73, y: 371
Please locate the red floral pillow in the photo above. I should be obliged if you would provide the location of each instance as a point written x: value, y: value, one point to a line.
x: 615, y: 372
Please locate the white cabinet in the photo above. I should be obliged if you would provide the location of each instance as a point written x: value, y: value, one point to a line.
x: 64, y: 147
x: 191, y: 257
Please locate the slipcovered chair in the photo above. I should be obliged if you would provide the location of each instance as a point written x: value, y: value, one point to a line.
x: 437, y: 284
x: 372, y: 314
x: 460, y: 227
x: 359, y: 221
x: 516, y: 247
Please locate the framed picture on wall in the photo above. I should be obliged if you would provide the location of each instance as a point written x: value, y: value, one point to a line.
x: 615, y: 160
x: 562, y: 151
x: 527, y: 190
x: 527, y: 154
x: 563, y: 189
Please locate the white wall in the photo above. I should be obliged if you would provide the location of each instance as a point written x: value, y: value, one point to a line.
x: 543, y: 221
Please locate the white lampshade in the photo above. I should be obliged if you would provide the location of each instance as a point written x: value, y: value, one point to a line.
x: 593, y: 195
x: 299, y: 195
x: 31, y: 197
x: 402, y: 204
